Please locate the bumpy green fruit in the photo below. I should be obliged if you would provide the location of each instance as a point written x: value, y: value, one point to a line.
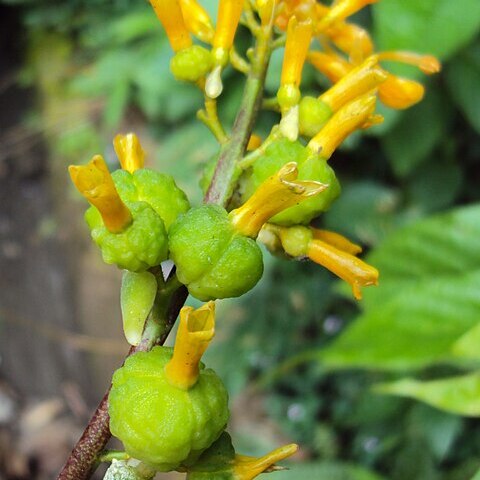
x: 143, y: 244
x: 157, y: 189
x: 191, y: 64
x: 309, y: 168
x: 161, y: 425
x: 212, y: 259
x: 313, y: 115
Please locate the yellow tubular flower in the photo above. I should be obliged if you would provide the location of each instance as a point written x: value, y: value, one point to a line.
x: 349, y: 268
x: 337, y: 241
x: 351, y: 39
x: 332, y: 66
x: 170, y: 15
x: 428, y: 64
x: 266, y: 10
x: 274, y: 195
x: 197, y: 20
x: 129, y: 152
x: 400, y: 93
x: 341, y: 10
x: 95, y: 183
x: 229, y: 12
x: 247, y: 468
x: 349, y: 118
x: 357, y: 82
x: 195, y: 331
x: 299, y: 36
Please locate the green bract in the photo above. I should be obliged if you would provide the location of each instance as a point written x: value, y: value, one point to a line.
x: 143, y: 244
x: 309, y: 168
x: 191, y: 64
x: 157, y: 189
x: 212, y: 259
x: 159, y: 424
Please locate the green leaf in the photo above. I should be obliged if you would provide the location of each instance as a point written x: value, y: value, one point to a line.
x: 325, y: 471
x: 459, y: 395
x: 418, y: 132
x: 438, y: 27
x: 427, y: 298
x: 477, y: 476
x: 463, y: 80
x: 365, y: 212
x: 467, y: 346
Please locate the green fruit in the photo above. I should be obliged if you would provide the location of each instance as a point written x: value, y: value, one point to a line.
x: 191, y: 64
x: 313, y: 114
x: 309, y: 168
x: 157, y: 189
x: 143, y: 244
x: 212, y: 259
x: 161, y: 425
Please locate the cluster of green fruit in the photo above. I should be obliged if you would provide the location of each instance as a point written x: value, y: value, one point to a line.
x: 215, y: 255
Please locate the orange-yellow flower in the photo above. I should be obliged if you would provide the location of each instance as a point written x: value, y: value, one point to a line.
x: 95, y: 183
x: 195, y: 332
x: 346, y: 120
x: 359, y: 81
x: 341, y: 10
x: 247, y: 468
x: 197, y: 20
x: 229, y: 12
x: 329, y: 249
x: 276, y: 194
x: 400, y: 93
x: 129, y: 152
x: 170, y: 15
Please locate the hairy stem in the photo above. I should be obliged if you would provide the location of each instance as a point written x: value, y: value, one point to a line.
x: 81, y: 461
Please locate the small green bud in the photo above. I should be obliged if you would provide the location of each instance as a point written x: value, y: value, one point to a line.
x: 295, y: 240
x: 136, y: 299
x: 313, y: 115
x: 191, y: 64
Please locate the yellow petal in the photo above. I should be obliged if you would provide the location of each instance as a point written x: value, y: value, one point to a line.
x: 274, y: 195
x: 351, y: 269
x: 400, y: 93
x: 170, y: 15
x: 95, y: 183
x: 359, y: 81
x: 195, y: 331
x: 331, y: 65
x: 337, y: 241
x: 129, y: 152
x: 348, y: 119
x: 197, y: 20
x: 229, y: 12
x: 351, y: 39
x: 428, y: 64
x: 299, y: 36
x: 341, y: 10
x: 247, y: 468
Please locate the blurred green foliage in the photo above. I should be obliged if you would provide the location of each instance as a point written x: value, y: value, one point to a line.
x: 322, y: 362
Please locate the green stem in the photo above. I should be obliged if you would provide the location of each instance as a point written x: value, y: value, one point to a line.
x: 232, y: 151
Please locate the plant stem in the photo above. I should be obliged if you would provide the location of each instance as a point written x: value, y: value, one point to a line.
x: 231, y: 152
x: 81, y: 461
